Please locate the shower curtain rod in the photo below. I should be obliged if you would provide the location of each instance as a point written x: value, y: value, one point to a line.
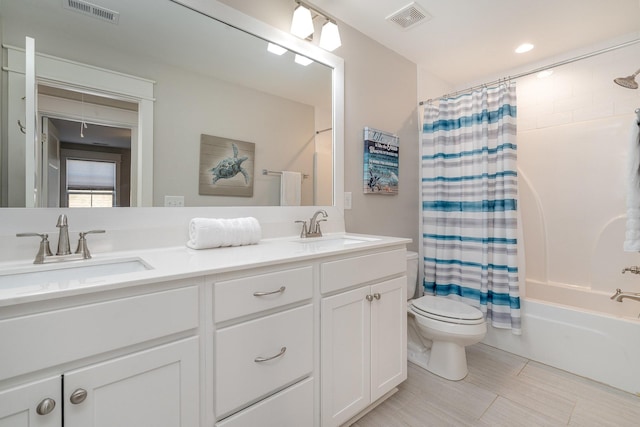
x: 537, y: 70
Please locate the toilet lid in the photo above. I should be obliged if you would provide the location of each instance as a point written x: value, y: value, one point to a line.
x: 445, y: 309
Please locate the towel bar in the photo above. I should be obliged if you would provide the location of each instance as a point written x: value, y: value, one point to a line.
x: 268, y: 172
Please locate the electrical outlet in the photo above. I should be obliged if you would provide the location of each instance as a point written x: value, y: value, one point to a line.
x: 174, y: 201
x: 347, y: 200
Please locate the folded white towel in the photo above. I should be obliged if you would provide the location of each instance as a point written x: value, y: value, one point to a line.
x: 213, y: 232
x: 290, y: 188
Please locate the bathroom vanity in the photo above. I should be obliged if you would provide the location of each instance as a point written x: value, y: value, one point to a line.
x: 289, y: 332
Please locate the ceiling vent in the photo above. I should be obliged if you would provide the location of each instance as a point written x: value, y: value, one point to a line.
x: 409, y: 16
x: 89, y: 9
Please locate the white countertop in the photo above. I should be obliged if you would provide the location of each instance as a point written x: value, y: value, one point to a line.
x: 174, y: 263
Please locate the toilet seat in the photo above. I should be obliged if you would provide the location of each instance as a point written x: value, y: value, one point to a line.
x: 446, y: 310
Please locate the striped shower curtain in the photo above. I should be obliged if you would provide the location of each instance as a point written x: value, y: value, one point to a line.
x: 469, y: 201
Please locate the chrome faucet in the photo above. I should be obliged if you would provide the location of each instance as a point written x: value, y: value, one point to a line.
x: 619, y: 295
x: 64, y: 251
x: 314, y: 225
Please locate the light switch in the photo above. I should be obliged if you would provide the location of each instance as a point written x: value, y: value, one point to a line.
x: 347, y: 200
x: 174, y: 201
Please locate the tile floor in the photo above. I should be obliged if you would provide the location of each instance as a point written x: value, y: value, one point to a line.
x: 503, y: 389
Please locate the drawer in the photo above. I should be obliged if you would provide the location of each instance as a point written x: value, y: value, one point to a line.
x: 240, y: 379
x: 42, y: 340
x: 239, y: 297
x: 292, y: 407
x: 340, y: 274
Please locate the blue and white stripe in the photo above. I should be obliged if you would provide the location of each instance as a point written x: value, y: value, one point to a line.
x: 469, y: 202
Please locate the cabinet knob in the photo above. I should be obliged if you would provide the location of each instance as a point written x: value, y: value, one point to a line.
x: 376, y: 295
x: 46, y: 406
x: 78, y: 396
x: 369, y: 298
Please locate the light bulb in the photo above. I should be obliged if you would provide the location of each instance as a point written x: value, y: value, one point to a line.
x: 302, y: 23
x: 330, y: 36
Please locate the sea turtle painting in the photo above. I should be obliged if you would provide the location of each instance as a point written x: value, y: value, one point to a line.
x: 230, y: 167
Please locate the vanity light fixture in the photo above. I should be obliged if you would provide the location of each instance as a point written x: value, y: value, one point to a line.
x: 302, y: 26
x: 302, y: 60
x: 274, y: 48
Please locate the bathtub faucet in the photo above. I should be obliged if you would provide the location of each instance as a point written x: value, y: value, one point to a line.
x: 619, y: 295
x: 635, y: 270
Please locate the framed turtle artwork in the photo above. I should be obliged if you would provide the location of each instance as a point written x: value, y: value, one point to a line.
x: 226, y: 167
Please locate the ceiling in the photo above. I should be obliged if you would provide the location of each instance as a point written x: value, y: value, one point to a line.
x: 468, y: 40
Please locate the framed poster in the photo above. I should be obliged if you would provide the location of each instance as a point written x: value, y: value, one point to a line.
x: 226, y: 167
x: 381, y: 162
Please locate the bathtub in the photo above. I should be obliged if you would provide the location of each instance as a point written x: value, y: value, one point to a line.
x: 577, y: 330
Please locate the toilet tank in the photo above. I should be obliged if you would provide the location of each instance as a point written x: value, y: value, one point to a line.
x: 412, y: 273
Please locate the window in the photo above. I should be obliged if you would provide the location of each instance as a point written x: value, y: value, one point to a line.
x: 90, y: 183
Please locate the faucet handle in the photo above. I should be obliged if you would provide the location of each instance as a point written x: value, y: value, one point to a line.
x: 82, y: 243
x: 317, y: 230
x: 303, y: 233
x: 44, y: 250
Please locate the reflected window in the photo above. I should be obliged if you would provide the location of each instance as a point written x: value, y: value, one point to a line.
x: 90, y: 183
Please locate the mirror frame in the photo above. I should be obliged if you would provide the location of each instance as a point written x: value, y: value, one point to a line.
x: 234, y: 18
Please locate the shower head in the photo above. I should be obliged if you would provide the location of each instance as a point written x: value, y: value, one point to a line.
x: 629, y: 82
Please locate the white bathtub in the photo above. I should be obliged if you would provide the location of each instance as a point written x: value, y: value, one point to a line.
x: 581, y: 331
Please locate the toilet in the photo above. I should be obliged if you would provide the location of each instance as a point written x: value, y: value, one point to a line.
x: 439, y: 329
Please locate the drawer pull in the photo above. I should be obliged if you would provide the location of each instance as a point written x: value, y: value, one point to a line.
x: 78, y: 396
x: 266, y: 359
x: 46, y: 406
x: 262, y: 294
x: 376, y: 295
x: 369, y: 298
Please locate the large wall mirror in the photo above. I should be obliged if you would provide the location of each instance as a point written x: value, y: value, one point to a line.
x: 210, y: 91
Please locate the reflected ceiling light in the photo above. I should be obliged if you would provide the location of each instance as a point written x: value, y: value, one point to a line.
x: 545, y: 73
x: 274, y: 48
x: 524, y: 47
x: 330, y: 36
x: 302, y: 23
x: 302, y: 26
x: 302, y: 60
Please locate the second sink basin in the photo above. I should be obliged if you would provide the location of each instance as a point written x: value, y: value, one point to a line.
x: 74, y: 271
x: 334, y: 242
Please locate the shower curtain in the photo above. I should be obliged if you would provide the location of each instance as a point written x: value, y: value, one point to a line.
x: 469, y: 202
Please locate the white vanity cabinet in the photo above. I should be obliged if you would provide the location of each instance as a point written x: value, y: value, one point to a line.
x: 125, y: 360
x: 363, y: 332
x: 263, y: 349
x: 35, y: 404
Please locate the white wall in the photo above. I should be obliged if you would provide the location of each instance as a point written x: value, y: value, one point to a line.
x: 282, y: 131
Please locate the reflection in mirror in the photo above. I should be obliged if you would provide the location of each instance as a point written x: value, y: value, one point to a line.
x: 208, y: 78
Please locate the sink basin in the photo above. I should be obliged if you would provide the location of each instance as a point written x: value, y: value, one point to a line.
x: 334, y: 242
x: 75, y: 272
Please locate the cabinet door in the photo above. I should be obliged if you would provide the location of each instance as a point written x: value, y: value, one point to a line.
x: 345, y: 355
x: 388, y: 336
x: 153, y: 388
x: 21, y: 406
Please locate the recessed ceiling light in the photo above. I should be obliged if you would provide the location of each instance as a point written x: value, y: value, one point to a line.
x: 545, y: 73
x: 524, y: 47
